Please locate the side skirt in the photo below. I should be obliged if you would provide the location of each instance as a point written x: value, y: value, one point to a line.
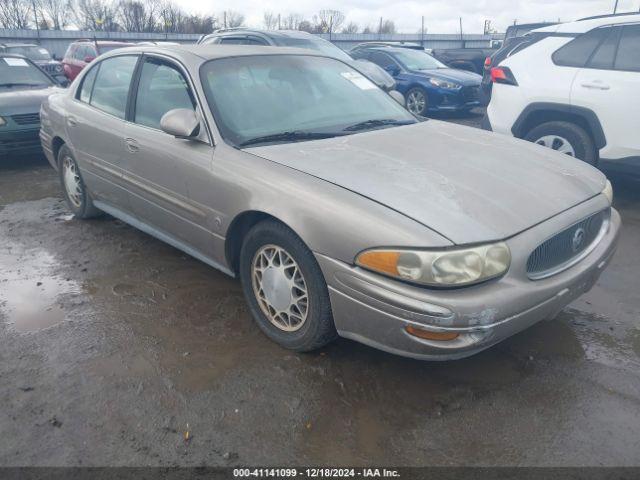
x: 148, y: 229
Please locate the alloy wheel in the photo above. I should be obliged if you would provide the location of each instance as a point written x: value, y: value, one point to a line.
x: 280, y: 288
x: 416, y: 102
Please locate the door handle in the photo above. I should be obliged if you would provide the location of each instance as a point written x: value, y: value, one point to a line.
x: 595, y: 85
x: 72, y: 122
x: 132, y: 145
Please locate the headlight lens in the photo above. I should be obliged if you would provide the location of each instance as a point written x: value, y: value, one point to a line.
x: 3, y: 122
x: 440, y: 268
x: 608, y: 192
x: 443, y: 84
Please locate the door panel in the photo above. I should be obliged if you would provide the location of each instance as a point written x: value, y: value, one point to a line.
x: 612, y: 93
x: 163, y: 165
x: 96, y: 135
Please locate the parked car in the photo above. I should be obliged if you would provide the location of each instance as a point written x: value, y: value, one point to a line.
x: 469, y: 59
x: 297, y: 39
x: 23, y: 86
x: 82, y: 52
x: 410, y: 45
x: 575, y: 90
x: 517, y: 38
x: 339, y: 211
x: 428, y: 85
x: 38, y: 55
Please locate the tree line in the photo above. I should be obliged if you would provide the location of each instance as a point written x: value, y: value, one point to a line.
x: 161, y: 16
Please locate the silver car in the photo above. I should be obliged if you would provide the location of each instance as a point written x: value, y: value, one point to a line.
x: 339, y: 211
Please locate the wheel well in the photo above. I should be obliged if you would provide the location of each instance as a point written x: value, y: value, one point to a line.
x: 238, y: 229
x: 56, y: 145
x: 535, y: 115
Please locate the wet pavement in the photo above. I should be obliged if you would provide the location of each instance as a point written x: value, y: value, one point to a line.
x: 117, y: 349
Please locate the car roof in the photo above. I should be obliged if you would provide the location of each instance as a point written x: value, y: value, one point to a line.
x: 257, y: 31
x: 584, y: 25
x: 101, y: 42
x: 3, y: 44
x: 205, y: 52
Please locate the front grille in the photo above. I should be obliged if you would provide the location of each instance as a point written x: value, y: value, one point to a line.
x: 563, y: 249
x: 26, y: 118
x: 471, y: 94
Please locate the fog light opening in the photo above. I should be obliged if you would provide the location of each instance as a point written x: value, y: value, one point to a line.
x: 430, y: 335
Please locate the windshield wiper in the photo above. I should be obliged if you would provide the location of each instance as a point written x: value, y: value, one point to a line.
x: 380, y: 122
x: 293, y: 136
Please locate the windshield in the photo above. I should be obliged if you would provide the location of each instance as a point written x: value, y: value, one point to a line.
x: 317, y: 44
x: 266, y: 95
x: 417, y: 60
x: 32, y: 52
x: 19, y: 72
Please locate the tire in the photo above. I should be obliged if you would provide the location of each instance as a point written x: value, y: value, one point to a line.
x: 579, y: 143
x: 413, y: 96
x: 79, y: 200
x: 302, y: 335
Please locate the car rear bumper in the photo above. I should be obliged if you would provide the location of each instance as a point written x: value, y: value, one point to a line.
x: 20, y: 142
x: 376, y: 310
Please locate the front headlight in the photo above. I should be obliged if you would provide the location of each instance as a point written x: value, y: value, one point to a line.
x: 3, y: 122
x: 608, y: 192
x: 439, y: 268
x: 443, y: 84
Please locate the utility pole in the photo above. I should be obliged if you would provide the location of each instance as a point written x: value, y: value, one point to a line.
x: 224, y: 16
x: 279, y: 22
x: 461, y: 37
x: 422, y: 33
x: 35, y: 14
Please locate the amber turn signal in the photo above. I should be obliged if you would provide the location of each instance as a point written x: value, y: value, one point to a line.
x: 430, y: 335
x: 380, y: 261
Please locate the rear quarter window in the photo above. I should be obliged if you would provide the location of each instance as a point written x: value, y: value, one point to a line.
x: 628, y: 57
x: 577, y: 52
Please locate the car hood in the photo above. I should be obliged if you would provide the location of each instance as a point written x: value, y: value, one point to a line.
x: 15, y: 101
x: 467, y: 184
x: 453, y: 75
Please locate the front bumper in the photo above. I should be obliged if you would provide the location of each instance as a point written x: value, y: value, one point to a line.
x: 20, y: 142
x: 376, y: 310
x: 443, y: 100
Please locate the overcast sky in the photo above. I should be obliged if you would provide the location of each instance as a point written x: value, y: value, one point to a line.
x: 441, y: 16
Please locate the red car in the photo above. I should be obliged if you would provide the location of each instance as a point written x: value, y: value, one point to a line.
x: 82, y: 52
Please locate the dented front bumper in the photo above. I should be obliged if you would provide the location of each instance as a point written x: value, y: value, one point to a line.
x: 376, y: 310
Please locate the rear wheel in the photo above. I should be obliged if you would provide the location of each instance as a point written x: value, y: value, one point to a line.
x: 285, y: 289
x: 75, y: 191
x: 564, y: 137
x: 417, y: 101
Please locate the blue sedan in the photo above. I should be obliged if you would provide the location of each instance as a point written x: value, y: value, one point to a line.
x: 428, y: 85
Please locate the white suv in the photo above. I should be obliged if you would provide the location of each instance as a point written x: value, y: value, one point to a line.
x: 574, y: 87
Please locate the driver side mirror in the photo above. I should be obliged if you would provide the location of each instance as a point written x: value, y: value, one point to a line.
x: 392, y: 70
x: 398, y: 97
x: 181, y: 123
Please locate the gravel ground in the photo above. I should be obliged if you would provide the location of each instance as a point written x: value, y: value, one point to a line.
x: 120, y: 350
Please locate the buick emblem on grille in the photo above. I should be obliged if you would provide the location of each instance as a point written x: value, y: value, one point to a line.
x: 578, y: 239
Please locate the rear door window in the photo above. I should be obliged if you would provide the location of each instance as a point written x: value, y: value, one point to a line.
x: 161, y: 88
x: 577, y: 52
x: 628, y: 57
x: 605, y: 54
x: 111, y: 87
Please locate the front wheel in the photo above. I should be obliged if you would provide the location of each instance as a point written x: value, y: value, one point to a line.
x: 75, y: 191
x: 565, y: 137
x: 285, y: 289
x: 417, y: 101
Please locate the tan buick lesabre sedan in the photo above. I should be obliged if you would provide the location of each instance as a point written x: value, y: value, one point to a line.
x: 341, y: 213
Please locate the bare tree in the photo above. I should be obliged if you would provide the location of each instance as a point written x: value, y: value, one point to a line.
x: 140, y: 15
x: 270, y: 20
x: 351, y: 27
x: 54, y: 12
x: 388, y: 26
x: 306, y: 26
x: 367, y: 29
x: 15, y: 14
x: 95, y: 15
x: 292, y: 21
x: 232, y: 19
x: 328, y: 21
